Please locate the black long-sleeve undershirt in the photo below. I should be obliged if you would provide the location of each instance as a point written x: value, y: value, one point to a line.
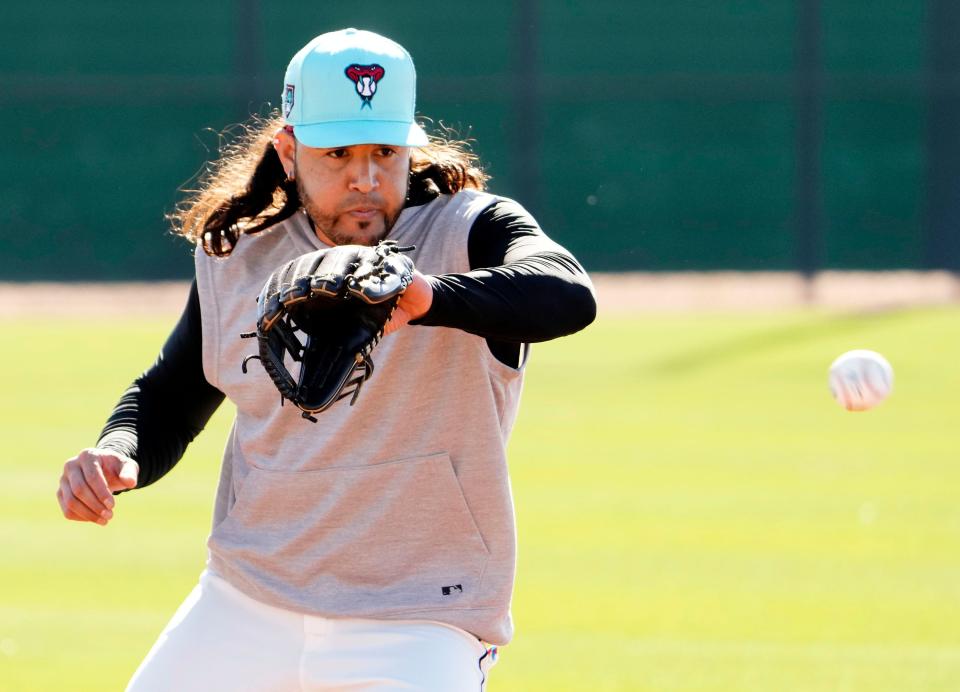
x: 522, y: 288
x: 166, y: 407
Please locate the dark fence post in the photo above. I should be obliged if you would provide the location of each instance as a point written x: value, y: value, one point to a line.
x: 527, y: 93
x: 248, y: 57
x: 809, y: 137
x: 942, y: 205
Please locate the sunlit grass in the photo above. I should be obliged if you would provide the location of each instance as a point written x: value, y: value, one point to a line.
x: 695, y: 512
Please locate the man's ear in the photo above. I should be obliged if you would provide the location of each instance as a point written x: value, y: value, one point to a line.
x: 286, y: 147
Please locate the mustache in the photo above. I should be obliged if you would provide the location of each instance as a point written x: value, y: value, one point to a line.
x: 372, y: 200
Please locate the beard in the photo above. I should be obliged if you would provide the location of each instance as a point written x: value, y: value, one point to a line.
x: 326, y: 224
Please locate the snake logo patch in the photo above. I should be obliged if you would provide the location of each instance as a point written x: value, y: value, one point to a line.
x: 365, y: 77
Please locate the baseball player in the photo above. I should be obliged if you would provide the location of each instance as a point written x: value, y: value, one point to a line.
x: 374, y: 549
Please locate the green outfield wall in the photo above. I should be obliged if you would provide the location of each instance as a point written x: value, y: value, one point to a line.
x: 643, y: 135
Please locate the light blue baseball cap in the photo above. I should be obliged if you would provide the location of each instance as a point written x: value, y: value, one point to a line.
x: 352, y: 87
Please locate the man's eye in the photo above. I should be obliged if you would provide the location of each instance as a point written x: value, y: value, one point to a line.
x: 337, y: 153
x: 387, y: 151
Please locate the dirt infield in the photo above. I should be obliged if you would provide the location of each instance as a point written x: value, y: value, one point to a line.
x: 744, y: 291
x: 616, y: 293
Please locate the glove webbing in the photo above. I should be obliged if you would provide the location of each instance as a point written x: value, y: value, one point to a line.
x: 285, y: 383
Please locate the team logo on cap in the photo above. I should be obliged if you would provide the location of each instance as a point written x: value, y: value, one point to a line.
x: 288, y: 100
x: 365, y: 77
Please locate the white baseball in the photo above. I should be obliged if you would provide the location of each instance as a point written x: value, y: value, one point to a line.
x: 859, y: 380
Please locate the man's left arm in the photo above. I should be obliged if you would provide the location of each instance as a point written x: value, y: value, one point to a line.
x: 522, y: 286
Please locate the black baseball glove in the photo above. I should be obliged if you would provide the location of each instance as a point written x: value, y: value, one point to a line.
x: 326, y: 310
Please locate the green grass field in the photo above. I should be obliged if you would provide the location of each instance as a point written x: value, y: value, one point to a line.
x: 695, y: 512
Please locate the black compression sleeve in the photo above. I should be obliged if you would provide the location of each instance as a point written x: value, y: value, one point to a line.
x: 522, y: 287
x: 167, y: 406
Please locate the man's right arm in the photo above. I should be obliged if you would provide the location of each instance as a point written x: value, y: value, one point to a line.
x: 167, y: 406
x: 161, y: 412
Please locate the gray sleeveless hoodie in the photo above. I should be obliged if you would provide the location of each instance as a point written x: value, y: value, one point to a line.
x: 398, y: 507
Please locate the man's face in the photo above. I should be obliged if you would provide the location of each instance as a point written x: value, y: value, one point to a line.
x: 353, y: 194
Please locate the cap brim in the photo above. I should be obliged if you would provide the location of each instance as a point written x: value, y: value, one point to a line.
x: 346, y: 133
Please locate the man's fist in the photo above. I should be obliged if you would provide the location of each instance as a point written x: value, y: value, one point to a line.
x: 88, y: 481
x: 413, y: 304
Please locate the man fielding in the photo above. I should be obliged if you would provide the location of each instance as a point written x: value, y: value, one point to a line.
x: 374, y: 550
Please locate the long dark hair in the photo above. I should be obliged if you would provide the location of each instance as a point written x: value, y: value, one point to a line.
x: 246, y: 190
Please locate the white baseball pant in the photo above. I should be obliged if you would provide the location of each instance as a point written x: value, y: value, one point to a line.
x: 221, y: 639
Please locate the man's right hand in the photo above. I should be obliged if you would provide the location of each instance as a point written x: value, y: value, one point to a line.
x: 88, y: 481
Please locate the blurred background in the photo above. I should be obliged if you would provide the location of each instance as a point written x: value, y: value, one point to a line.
x: 743, y: 134
x: 694, y: 511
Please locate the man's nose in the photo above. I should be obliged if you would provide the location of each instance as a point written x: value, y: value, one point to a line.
x: 364, y: 174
